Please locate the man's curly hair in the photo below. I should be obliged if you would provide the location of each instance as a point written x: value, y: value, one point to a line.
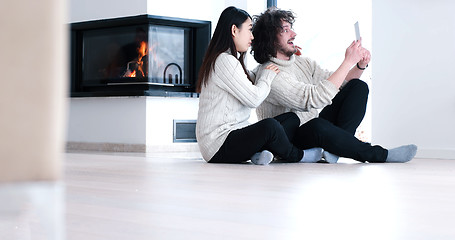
x: 265, y: 30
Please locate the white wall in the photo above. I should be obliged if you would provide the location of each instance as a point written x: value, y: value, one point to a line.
x: 414, y: 88
x: 209, y: 10
x: 84, y: 10
x: 195, y: 9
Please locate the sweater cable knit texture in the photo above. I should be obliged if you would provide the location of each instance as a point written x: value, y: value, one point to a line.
x: 226, y: 101
x: 301, y: 87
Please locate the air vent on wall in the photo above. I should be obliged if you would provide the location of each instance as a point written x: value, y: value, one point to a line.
x: 184, y: 131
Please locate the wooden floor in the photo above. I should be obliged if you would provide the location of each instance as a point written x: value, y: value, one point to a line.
x: 179, y: 196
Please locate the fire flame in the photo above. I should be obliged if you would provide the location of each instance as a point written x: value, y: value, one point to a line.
x: 141, y: 52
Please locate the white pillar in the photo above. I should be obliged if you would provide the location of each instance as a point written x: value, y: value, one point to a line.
x: 33, y: 73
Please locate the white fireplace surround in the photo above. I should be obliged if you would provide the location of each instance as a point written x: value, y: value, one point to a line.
x: 128, y: 124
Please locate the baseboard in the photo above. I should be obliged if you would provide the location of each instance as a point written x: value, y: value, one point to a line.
x: 174, y: 147
x: 436, y: 153
x: 120, y: 147
x: 104, y: 147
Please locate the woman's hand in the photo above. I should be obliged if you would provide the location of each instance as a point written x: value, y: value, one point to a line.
x: 273, y: 67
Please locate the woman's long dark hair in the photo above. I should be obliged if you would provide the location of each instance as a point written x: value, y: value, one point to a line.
x: 265, y: 30
x: 221, y: 42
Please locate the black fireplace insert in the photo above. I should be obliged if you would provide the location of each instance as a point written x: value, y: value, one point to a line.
x: 142, y: 55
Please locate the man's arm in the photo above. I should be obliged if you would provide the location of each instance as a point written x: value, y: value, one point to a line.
x: 356, y: 72
x: 290, y: 92
x: 354, y: 53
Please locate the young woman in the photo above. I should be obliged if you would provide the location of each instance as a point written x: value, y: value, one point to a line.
x: 227, y: 95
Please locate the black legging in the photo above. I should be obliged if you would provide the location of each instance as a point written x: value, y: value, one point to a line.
x: 272, y: 134
x: 335, y: 127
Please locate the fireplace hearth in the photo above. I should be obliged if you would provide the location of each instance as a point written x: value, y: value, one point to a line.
x: 143, y: 55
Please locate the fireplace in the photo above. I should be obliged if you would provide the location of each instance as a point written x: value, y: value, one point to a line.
x: 143, y: 55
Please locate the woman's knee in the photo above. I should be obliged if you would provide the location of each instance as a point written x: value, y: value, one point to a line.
x: 294, y: 118
x: 291, y: 117
x: 269, y: 123
x: 270, y: 126
x: 288, y: 117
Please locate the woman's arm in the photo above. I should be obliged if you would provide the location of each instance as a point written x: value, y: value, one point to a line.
x: 229, y: 75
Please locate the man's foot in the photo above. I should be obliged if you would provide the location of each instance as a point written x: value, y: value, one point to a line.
x: 401, y: 154
x: 329, y: 157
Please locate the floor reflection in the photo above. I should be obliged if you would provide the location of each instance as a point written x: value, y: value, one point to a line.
x: 32, y: 211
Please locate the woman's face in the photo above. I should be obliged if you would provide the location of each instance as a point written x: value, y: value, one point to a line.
x: 243, y: 36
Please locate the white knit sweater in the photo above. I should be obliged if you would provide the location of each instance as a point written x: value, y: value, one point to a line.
x: 226, y: 101
x: 301, y: 87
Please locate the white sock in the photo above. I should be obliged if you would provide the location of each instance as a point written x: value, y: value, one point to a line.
x: 330, y: 157
x: 401, y: 154
x: 312, y: 155
x: 262, y: 158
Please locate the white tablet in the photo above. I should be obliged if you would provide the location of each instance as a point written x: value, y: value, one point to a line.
x: 357, y: 31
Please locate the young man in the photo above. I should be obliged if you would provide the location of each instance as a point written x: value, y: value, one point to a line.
x: 303, y: 87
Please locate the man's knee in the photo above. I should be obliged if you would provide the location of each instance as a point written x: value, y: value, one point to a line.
x: 359, y: 86
x: 319, y: 127
x: 313, y: 133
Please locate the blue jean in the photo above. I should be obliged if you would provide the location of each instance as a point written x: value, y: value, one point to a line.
x: 335, y: 127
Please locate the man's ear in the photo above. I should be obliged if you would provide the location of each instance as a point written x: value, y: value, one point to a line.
x: 234, y: 30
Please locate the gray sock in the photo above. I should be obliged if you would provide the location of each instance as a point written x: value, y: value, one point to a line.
x: 329, y: 157
x: 401, y: 154
x: 262, y: 158
x: 312, y: 155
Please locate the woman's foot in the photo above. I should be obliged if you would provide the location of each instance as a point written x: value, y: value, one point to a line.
x: 262, y: 158
x: 312, y: 155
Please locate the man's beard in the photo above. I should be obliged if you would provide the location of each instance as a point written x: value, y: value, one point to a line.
x: 286, y: 51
